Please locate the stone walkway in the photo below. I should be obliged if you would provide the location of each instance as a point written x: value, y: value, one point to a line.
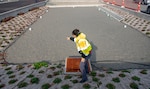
x: 26, y: 77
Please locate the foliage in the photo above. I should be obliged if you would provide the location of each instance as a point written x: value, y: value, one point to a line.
x: 30, y: 76
x: 66, y: 86
x: 143, y: 71
x: 110, y: 86
x: 9, y: 72
x: 74, y: 81
x: 101, y: 75
x: 22, y: 84
x: 46, y: 86
x: 35, y: 80
x: 117, y: 80
x: 95, y: 79
x: 12, y: 81
x: 38, y: 65
x: 93, y: 73
x: 134, y: 85
x: 126, y: 71
x: 135, y: 78
x: 57, y: 80
x: 68, y: 77
x: 122, y: 75
x: 12, y: 76
x: 86, y: 86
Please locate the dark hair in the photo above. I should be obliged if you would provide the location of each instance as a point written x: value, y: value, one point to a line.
x: 75, y: 32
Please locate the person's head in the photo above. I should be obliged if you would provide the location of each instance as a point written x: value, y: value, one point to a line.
x: 75, y: 32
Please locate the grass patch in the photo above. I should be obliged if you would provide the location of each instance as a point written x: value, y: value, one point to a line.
x: 134, y: 85
x: 49, y: 76
x: 86, y: 86
x: 22, y: 84
x: 95, y: 79
x: 30, y: 76
x: 41, y: 71
x: 135, y: 78
x: 109, y: 72
x: 9, y: 72
x: 12, y: 81
x: 22, y: 72
x: 93, y: 73
x: 68, y: 77
x: 35, y: 80
x: 122, y: 75
x: 116, y: 80
x: 46, y: 86
x: 57, y: 80
x: 74, y: 81
x: 8, y: 68
x: 66, y: 86
x: 110, y: 86
x: 143, y: 71
x: 101, y: 75
x: 12, y: 76
x: 125, y: 71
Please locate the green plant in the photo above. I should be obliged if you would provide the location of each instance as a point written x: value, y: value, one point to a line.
x: 117, y: 80
x: 59, y: 66
x: 93, y: 73
x: 68, y: 77
x: 49, y: 76
x: 38, y: 65
x: 126, y: 71
x: 134, y: 85
x: 66, y: 86
x: 12, y: 76
x: 19, y: 67
x: 35, y: 80
x: 135, y: 78
x: 57, y: 80
x: 22, y: 84
x: 46, y: 86
x: 41, y: 71
x: 143, y: 71
x: 122, y: 75
x: 22, y: 72
x: 147, y: 33
x: 2, y: 85
x: 30, y: 76
x: 12, y: 81
x: 8, y: 68
x: 95, y: 79
x: 74, y: 81
x: 109, y: 72
x: 53, y: 68
x: 110, y: 86
x: 86, y: 86
x: 56, y: 73
x: 101, y: 75
x: 9, y: 72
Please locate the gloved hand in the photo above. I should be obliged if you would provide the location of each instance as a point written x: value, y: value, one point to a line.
x: 80, y: 52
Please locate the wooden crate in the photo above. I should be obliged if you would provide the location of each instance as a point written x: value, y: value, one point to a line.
x: 72, y: 65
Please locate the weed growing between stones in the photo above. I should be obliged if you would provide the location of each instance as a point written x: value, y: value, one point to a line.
x: 9, y: 72
x: 134, y: 85
x: 125, y: 71
x: 12, y: 76
x: 30, y: 76
x: 68, y: 77
x: 35, y: 80
x: 46, y: 86
x: 116, y: 80
x: 66, y: 86
x: 49, y: 76
x: 22, y: 72
x: 22, y: 84
x: 143, y: 71
x: 95, y: 79
x: 57, y: 80
x: 101, y: 75
x: 122, y: 75
x: 93, y: 73
x: 74, y: 81
x: 110, y: 86
x: 135, y: 78
x: 86, y: 86
x: 12, y: 81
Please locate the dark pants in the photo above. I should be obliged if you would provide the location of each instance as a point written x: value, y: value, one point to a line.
x: 84, y: 67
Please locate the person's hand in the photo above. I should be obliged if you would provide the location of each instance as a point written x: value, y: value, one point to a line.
x: 68, y: 38
x: 82, y: 60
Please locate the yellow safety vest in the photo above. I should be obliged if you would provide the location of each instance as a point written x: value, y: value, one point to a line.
x: 82, y: 44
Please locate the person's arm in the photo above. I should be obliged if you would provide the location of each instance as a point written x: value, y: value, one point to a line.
x: 70, y: 38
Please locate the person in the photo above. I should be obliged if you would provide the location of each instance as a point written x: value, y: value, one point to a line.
x: 84, y: 48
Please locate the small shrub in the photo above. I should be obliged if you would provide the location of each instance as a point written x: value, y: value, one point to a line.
x: 68, y: 77
x: 122, y: 75
x: 93, y: 73
x: 134, y: 85
x: 143, y: 71
x: 8, y: 68
x: 12, y: 76
x: 34, y: 80
x: 22, y: 84
x: 86, y: 86
x: 135, y: 78
x: 95, y: 79
x: 41, y: 71
x: 30, y: 76
x: 66, y: 86
x: 126, y: 71
x: 2, y: 85
x: 74, y: 81
x: 110, y: 86
x: 57, y: 80
x: 117, y: 80
x: 49, y: 76
x: 9, y: 72
x: 101, y: 75
x: 12, y: 81
x: 22, y: 72
x: 46, y: 86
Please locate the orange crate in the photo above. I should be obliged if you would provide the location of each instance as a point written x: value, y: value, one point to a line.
x: 72, y: 65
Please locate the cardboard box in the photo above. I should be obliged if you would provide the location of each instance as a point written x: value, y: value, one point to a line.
x: 72, y: 65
